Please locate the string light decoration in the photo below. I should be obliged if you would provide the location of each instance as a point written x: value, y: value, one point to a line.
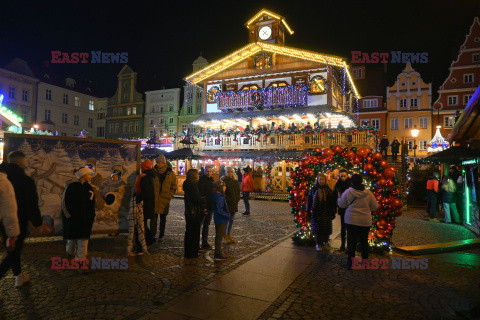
x: 268, y: 178
x: 9, y: 114
x: 379, y: 177
x: 287, y: 96
x: 438, y: 143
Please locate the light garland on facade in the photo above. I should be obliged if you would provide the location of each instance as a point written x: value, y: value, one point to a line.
x: 9, y: 114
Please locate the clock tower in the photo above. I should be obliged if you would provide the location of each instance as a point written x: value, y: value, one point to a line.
x: 268, y: 27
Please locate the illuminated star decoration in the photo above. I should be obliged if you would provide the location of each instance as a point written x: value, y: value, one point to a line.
x: 438, y: 143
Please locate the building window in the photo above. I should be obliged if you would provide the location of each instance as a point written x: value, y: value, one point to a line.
x: 76, y: 120
x: 130, y: 126
x: 452, y: 100
x: 170, y: 120
x: 63, y: 134
x: 65, y: 98
x: 423, y: 145
x: 212, y: 94
x: 365, y: 123
x: 466, y: 98
x: 423, y: 122
x: 48, y: 94
x: 277, y: 84
x: 468, y: 78
x: 117, y: 127
x: 24, y: 115
x: 408, y: 123
x: 410, y: 144
x: 11, y: 92
x: 414, y: 102
x: 64, y: 118
x: 47, y: 115
x: 90, y: 123
x: 171, y: 132
x: 263, y: 61
x: 77, y: 102
x: 100, y: 116
x: 449, y: 121
x: 184, y: 128
x: 134, y: 110
x: 357, y: 73
x: 199, y: 94
x: 370, y: 103
x: 376, y: 123
x: 129, y: 111
x: 110, y: 128
x: 24, y: 95
x: 136, y: 127
x: 125, y: 127
x: 91, y: 105
x: 317, y: 85
x: 114, y: 112
x: 189, y: 109
x: 403, y: 103
x: 199, y: 109
x: 152, y: 121
x: 250, y: 87
x: 161, y: 121
x: 170, y: 108
x: 161, y: 109
x: 120, y: 111
x: 394, y: 123
x: 152, y: 109
x: 100, y: 131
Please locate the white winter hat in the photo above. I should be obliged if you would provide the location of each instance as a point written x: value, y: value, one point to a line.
x: 80, y: 173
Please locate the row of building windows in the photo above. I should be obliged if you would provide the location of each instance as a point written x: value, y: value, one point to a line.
x: 160, y: 121
x: 128, y: 111
x: 453, y: 100
x: 127, y: 127
x: 76, y: 118
x: 198, y: 109
x: 395, y: 123
x: 161, y: 109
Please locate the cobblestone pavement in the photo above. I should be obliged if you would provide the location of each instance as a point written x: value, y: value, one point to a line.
x: 325, y: 290
x: 150, y: 281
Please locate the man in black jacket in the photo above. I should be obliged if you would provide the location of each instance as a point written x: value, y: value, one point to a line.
x: 384, y: 143
x: 28, y: 210
x: 205, y: 186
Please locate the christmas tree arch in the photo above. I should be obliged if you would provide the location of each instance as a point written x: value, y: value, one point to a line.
x: 378, y: 176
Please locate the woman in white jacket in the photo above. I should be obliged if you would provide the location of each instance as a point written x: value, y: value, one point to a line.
x: 359, y: 203
x: 9, y: 218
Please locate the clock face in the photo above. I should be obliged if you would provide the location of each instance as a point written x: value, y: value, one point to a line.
x: 265, y: 32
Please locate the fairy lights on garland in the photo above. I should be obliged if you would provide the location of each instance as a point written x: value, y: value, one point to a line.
x: 291, y: 96
x: 378, y: 176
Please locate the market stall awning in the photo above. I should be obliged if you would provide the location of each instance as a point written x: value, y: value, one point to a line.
x: 152, y: 152
x: 453, y: 155
x: 185, y: 153
x: 315, y: 110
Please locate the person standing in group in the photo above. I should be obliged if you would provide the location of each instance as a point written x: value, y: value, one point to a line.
x: 342, y: 185
x: 78, y: 207
x: 384, y: 143
x: 221, y: 218
x: 238, y: 171
x: 395, y: 147
x: 321, y: 210
x: 432, y: 196
x: 145, y: 195
x: 167, y: 187
x: 232, y: 196
x: 28, y: 210
x: 449, y: 188
x: 10, y: 227
x: 205, y: 186
x: 333, y: 178
x: 194, y: 213
x: 359, y: 203
x: 247, y: 187
x: 457, y: 178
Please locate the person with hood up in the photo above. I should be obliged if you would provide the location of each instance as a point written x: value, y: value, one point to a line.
x: 432, y: 196
x: 78, y: 208
x: 167, y: 187
x: 205, y: 186
x: 221, y: 217
x: 359, y: 203
x: 343, y: 183
x: 10, y: 226
x: 247, y: 187
x: 146, y: 197
x: 232, y: 196
x: 28, y: 211
x: 321, y: 210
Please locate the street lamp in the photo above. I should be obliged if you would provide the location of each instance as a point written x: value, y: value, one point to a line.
x: 415, y: 132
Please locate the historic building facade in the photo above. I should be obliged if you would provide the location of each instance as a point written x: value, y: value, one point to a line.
x: 161, y: 111
x: 409, y: 105
x: 462, y: 81
x: 100, y: 114
x: 124, y: 118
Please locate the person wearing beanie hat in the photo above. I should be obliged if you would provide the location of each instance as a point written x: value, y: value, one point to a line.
x: 165, y: 188
x: 232, y: 196
x: 78, y: 208
x: 359, y: 203
x: 220, y: 217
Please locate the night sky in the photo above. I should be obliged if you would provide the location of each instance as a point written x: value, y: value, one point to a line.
x: 163, y: 38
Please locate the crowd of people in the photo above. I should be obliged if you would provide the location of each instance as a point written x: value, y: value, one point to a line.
x: 394, y: 147
x: 446, y: 193
x: 348, y: 197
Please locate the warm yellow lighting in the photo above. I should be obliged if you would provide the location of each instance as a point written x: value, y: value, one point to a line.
x: 284, y: 119
x: 438, y: 127
x: 312, y: 117
x: 35, y: 126
x: 262, y: 120
x: 242, y: 121
x: 415, y: 132
x: 296, y: 116
x: 262, y: 12
x: 286, y: 26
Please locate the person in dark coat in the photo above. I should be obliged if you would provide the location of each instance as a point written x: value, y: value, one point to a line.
x: 384, y: 143
x: 321, y: 211
x: 78, y: 208
x: 395, y: 147
x: 342, y: 184
x: 145, y: 191
x: 433, y: 189
x: 194, y: 213
x: 232, y: 196
x: 449, y: 188
x: 28, y: 211
x: 205, y: 186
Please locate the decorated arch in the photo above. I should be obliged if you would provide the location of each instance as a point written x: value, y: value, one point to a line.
x: 378, y: 176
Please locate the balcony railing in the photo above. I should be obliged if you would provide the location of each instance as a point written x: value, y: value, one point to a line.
x: 286, y: 142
